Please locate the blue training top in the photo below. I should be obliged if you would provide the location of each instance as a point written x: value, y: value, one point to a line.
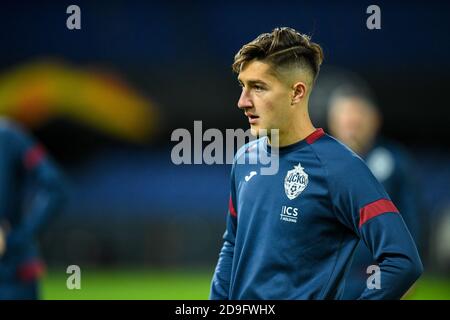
x: 394, y: 169
x: 292, y: 235
x: 25, y: 167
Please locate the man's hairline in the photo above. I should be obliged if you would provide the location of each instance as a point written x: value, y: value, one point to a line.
x: 277, y: 72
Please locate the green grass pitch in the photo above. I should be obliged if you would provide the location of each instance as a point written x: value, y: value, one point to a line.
x: 143, y: 284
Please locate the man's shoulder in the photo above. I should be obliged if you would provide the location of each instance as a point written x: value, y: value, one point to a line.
x: 345, y: 170
x: 10, y: 127
x: 249, y: 148
x: 339, y: 161
x: 330, y: 149
x: 6, y: 125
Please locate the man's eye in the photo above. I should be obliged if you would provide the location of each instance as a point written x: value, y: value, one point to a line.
x: 259, y: 88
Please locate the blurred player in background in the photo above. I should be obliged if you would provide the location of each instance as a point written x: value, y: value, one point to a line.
x: 355, y: 120
x: 31, y: 193
x: 292, y: 234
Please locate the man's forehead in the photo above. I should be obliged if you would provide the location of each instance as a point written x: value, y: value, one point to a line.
x: 256, y: 71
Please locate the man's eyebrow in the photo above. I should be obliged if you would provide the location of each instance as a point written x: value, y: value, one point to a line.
x: 253, y: 82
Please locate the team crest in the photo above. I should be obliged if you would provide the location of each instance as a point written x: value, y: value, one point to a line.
x: 295, y: 182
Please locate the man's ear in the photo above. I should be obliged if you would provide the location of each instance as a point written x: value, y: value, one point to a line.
x: 299, y: 91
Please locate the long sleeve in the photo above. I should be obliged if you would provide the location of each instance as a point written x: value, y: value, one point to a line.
x: 220, y: 285
x: 393, y: 248
x: 362, y: 204
x: 49, y: 192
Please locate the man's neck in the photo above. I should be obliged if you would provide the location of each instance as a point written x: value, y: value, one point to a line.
x: 299, y: 128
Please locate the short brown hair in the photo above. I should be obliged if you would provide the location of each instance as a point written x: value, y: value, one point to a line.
x: 283, y: 47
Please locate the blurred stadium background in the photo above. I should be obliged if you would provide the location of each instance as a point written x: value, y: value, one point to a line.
x: 105, y: 99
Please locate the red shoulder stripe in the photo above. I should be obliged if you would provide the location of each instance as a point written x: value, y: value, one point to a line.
x: 374, y: 209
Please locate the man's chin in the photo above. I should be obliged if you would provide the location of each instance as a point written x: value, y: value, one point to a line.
x: 254, y: 131
x: 258, y: 132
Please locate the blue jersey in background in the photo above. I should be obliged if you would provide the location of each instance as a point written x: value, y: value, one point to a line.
x: 31, y: 193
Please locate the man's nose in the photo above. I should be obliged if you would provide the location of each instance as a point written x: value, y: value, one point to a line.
x: 244, y: 100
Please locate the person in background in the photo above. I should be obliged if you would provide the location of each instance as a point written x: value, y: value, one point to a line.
x: 32, y: 191
x: 355, y: 120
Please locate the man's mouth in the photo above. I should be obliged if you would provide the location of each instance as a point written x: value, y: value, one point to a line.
x: 252, y: 119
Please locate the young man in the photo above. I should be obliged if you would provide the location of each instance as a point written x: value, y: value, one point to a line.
x: 25, y: 169
x: 354, y: 119
x: 291, y: 235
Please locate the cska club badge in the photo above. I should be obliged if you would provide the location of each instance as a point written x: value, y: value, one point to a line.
x: 295, y: 182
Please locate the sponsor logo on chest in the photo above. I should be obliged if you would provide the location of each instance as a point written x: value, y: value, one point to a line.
x: 289, y: 214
